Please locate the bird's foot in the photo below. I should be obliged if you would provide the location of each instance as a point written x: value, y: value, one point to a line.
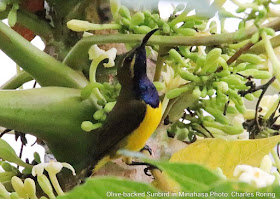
x: 148, y: 149
x: 147, y: 169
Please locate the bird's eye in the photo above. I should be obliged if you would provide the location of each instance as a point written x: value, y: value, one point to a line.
x: 128, y: 59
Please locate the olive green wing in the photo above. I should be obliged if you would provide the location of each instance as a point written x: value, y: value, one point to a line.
x: 122, y: 120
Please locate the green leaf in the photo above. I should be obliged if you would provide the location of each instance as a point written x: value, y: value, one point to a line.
x: 100, y: 188
x: 190, y: 177
x: 215, y: 153
x: 7, y: 153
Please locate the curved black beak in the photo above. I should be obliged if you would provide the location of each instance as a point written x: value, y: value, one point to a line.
x: 147, y: 37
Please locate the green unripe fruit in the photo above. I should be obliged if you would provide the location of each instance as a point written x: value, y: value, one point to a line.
x: 208, y: 118
x: 125, y: 21
x: 232, y: 110
x: 240, y: 67
x: 249, y: 97
x: 98, y: 114
x: 269, y: 31
x: 166, y: 28
x: 186, y: 31
x: 109, y: 106
x: 142, y: 29
x: 196, y: 92
x: 12, y: 18
x: 137, y: 18
x: 177, y: 92
x: 256, y: 73
x: 251, y: 58
x: 210, y: 92
x: 124, y: 12
x: 221, y: 86
x: 255, y: 38
x: 87, y: 126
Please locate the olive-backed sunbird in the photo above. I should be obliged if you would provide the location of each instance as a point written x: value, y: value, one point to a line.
x: 137, y: 112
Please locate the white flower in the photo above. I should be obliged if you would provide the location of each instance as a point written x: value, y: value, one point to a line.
x: 51, y: 167
x: 170, y: 80
x: 253, y: 175
x: 97, y: 55
x: 237, y: 120
x: 268, y: 105
x: 266, y: 164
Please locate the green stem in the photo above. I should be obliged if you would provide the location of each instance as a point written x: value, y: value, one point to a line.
x: 46, y: 70
x: 245, y: 5
x: 276, y: 159
x: 17, y: 81
x: 165, y: 102
x: 92, y: 78
x: 160, y: 60
x: 259, y: 47
x: 33, y: 22
x: 53, y: 114
x: 272, y: 56
x: 78, y: 54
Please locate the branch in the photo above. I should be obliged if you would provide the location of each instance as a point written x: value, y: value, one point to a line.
x: 259, y: 47
x: 31, y: 21
x: 78, y: 55
x: 53, y: 114
x: 17, y: 81
x: 46, y: 70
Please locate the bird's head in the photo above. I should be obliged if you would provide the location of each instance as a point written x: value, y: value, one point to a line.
x: 133, y: 64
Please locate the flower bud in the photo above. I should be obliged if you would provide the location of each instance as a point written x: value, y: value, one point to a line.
x: 266, y: 164
x: 196, y: 92
x: 30, y: 188
x: 46, y: 185
x: 98, y: 114
x: 137, y: 19
x: 186, y: 31
x: 142, y: 29
x: 3, y: 192
x: 109, y: 106
x: 14, y: 195
x: 251, y: 58
x: 18, y: 186
x: 12, y: 17
x: 256, y: 73
x: 124, y: 12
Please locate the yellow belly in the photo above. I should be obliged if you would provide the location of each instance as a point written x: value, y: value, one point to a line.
x: 138, y: 138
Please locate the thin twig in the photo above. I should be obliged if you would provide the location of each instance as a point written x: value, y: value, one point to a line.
x: 238, y: 53
x: 264, y: 87
x: 207, y: 130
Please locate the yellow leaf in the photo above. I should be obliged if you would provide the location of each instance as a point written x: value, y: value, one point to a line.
x: 214, y: 153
